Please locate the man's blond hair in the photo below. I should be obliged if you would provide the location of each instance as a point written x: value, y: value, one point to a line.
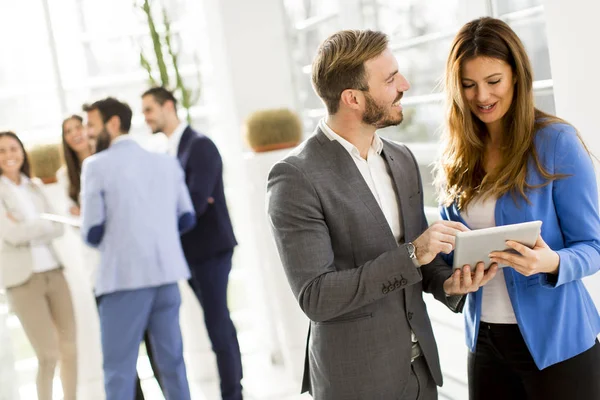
x: 340, y: 64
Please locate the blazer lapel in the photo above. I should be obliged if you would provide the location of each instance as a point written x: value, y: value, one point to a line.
x: 343, y: 165
x: 186, y: 136
x: 12, y: 201
x: 400, y: 184
x: 396, y: 170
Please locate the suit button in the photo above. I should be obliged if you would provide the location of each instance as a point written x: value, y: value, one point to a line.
x: 409, y: 315
x: 398, y: 285
x: 384, y: 290
x: 403, y: 282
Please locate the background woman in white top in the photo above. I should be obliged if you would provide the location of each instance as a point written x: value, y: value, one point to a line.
x: 31, y: 272
x: 76, y: 148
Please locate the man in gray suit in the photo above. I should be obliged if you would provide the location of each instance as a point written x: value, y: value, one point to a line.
x: 346, y: 208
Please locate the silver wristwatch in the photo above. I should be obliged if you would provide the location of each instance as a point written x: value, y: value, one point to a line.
x: 412, y: 253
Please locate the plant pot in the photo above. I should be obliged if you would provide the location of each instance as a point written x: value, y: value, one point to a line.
x: 48, y: 179
x: 274, y: 146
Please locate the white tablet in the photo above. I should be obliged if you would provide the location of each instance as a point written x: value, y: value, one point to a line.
x: 73, y: 221
x: 474, y: 246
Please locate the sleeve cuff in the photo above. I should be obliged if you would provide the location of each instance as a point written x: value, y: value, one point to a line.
x: 455, y: 303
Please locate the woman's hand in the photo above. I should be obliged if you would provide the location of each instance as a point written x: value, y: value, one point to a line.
x: 540, y: 259
x: 74, y: 210
x: 464, y: 281
x: 11, y: 217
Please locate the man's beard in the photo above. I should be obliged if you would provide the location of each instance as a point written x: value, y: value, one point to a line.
x: 378, y: 115
x: 103, y: 140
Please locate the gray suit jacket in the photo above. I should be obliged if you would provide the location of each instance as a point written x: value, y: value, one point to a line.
x: 359, y: 288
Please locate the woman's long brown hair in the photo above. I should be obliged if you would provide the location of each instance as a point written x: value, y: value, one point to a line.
x: 72, y: 162
x: 460, y: 174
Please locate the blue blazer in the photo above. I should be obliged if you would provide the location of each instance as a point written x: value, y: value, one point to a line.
x: 555, y: 313
x: 203, y: 168
x: 134, y: 205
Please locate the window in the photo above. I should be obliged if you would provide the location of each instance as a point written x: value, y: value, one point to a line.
x: 89, y: 50
x: 420, y: 35
x: 67, y: 53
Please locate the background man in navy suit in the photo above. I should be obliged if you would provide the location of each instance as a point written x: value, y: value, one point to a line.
x: 209, y: 246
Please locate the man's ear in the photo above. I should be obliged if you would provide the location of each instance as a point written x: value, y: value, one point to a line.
x: 114, y: 123
x: 351, y: 98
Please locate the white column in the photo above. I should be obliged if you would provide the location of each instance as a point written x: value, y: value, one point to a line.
x: 575, y: 62
x: 250, y: 71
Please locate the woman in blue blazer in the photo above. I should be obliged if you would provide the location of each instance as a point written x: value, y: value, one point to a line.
x: 531, y: 330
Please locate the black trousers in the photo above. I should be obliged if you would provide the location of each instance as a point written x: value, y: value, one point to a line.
x: 209, y: 283
x: 502, y: 368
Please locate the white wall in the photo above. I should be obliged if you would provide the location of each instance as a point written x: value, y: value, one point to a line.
x: 251, y: 69
x: 575, y: 61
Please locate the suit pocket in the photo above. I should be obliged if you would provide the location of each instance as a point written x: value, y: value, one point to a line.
x: 345, y: 319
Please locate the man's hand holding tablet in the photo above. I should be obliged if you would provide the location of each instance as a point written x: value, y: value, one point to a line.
x: 440, y: 238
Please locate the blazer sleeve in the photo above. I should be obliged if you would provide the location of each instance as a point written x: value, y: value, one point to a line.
x: 21, y: 233
x: 93, y: 207
x: 303, y: 241
x: 204, y: 170
x: 186, y: 216
x: 438, y: 270
x: 576, y: 203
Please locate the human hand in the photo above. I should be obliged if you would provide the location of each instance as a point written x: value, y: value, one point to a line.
x: 464, y: 281
x: 438, y: 238
x: 540, y: 259
x: 11, y: 217
x: 74, y: 210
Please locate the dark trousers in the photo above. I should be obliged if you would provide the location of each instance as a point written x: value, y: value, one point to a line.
x: 421, y: 385
x: 209, y: 283
x: 502, y: 368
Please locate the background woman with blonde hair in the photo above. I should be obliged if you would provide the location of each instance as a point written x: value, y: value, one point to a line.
x: 531, y: 330
x: 31, y: 272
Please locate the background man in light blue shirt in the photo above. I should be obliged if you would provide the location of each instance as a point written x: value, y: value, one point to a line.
x: 135, y: 204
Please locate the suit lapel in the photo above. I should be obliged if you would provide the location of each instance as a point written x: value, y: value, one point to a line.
x: 186, y: 136
x: 400, y: 183
x: 397, y: 171
x: 12, y: 201
x: 343, y: 165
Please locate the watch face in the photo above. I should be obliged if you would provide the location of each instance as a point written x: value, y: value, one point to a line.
x: 411, y: 250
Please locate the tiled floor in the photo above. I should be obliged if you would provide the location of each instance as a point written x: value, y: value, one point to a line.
x: 262, y: 381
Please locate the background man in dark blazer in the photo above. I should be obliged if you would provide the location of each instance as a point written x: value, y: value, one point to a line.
x: 209, y: 246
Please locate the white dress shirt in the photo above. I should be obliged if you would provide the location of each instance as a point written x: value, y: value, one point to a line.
x: 42, y: 257
x: 375, y: 173
x: 175, y: 139
x: 496, y: 307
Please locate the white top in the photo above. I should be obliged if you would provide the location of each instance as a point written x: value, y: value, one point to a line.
x: 375, y: 173
x: 496, y: 307
x: 175, y: 139
x: 43, y: 259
